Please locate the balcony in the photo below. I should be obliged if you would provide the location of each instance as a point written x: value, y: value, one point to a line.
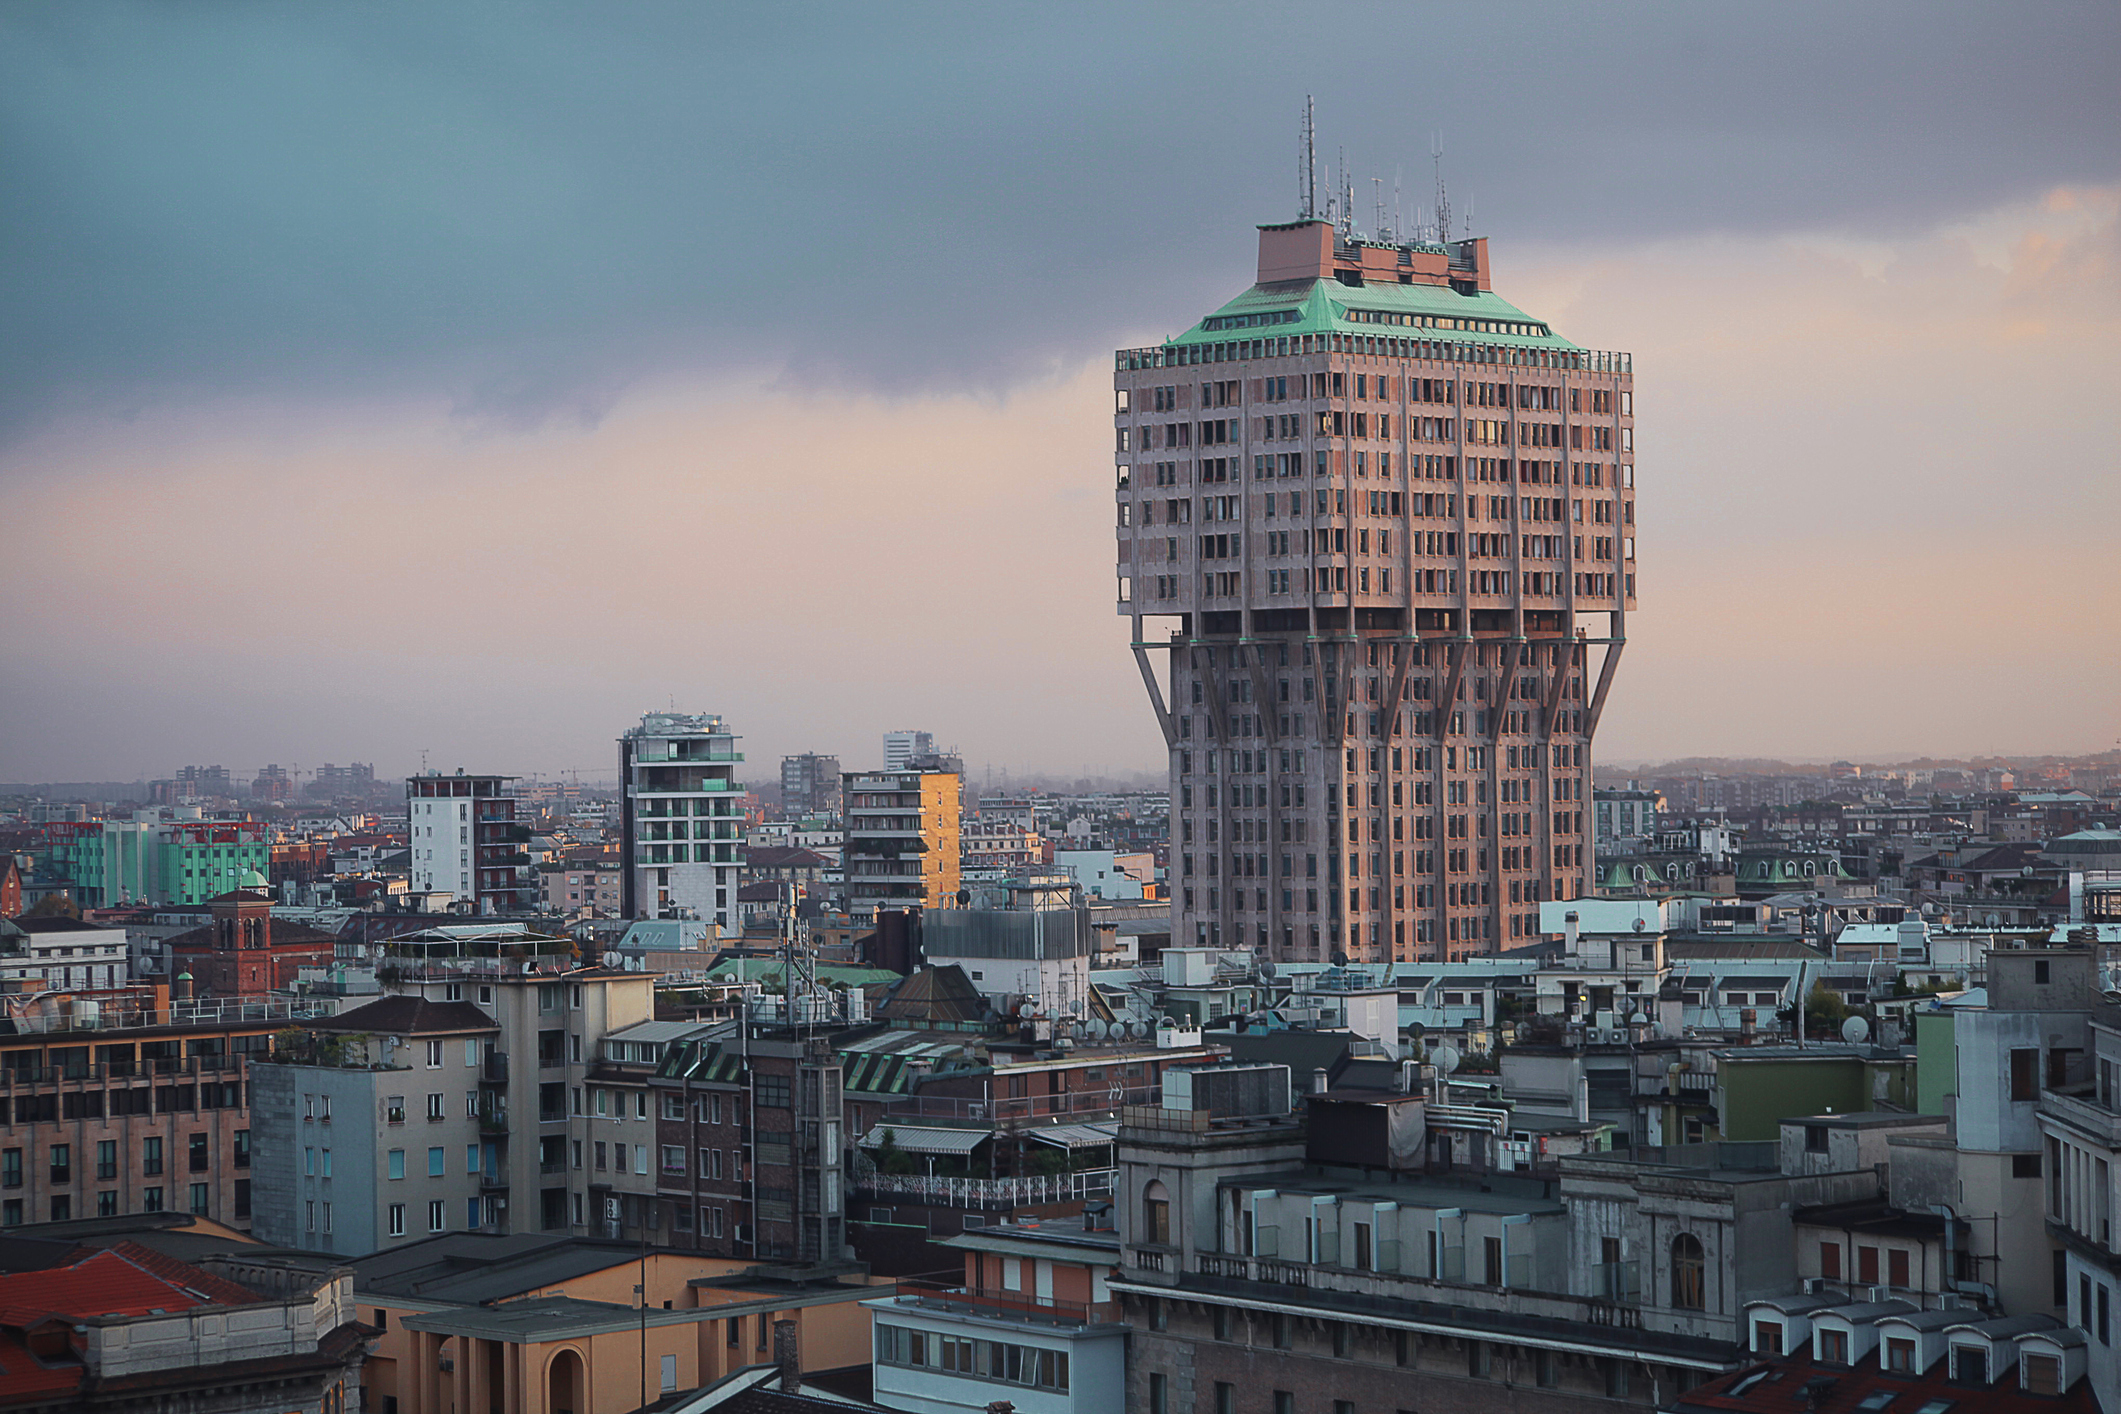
x: 493, y: 1070
x: 2083, y: 1114
x: 1016, y: 1109
x: 1323, y: 1280
x: 1009, y: 1305
x: 493, y: 1121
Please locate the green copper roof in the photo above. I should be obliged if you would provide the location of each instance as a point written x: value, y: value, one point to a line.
x: 1405, y: 311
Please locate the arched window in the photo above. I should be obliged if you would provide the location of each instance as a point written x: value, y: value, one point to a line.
x: 1156, y: 1215
x: 1689, y: 1273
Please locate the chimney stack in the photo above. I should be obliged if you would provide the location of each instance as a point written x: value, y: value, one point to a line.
x: 787, y: 1355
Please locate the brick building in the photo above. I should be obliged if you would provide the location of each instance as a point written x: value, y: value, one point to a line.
x: 243, y: 952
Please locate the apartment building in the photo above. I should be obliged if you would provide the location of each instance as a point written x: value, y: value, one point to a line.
x: 173, y: 856
x: 2080, y: 1124
x: 1370, y: 1250
x: 580, y: 886
x: 901, y: 747
x: 1379, y: 525
x: 525, y: 1109
x: 1032, y: 1322
x: 681, y: 819
x: 810, y: 784
x: 902, y: 844
x: 377, y: 1134
x: 62, y: 954
x: 467, y: 841
x: 122, y: 1103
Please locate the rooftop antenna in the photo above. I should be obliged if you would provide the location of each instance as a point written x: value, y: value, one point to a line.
x: 1307, y: 166
x: 1398, y: 223
x: 1443, y: 196
x: 1347, y: 199
x: 1377, y: 193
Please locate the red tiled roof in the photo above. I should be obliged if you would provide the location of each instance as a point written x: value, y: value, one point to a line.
x: 115, y: 1281
x: 23, y: 1377
x: 1843, y: 1389
x: 218, y: 1290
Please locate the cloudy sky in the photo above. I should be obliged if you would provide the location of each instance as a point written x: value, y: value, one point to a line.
x: 466, y: 379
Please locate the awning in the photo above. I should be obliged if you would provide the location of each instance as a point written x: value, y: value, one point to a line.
x: 1075, y: 1136
x: 914, y: 1139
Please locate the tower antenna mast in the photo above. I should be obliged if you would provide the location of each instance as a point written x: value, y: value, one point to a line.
x: 1307, y: 166
x: 1443, y: 196
x: 1347, y: 199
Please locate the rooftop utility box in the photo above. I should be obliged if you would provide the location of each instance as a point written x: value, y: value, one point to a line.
x: 1229, y: 1091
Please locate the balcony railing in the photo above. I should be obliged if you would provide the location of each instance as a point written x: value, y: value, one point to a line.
x: 2084, y: 1113
x: 1013, y: 1109
x: 1014, y: 1305
x: 1615, y: 1298
x: 988, y: 1192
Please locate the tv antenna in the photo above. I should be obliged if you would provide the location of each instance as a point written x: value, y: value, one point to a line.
x: 1377, y: 193
x: 1443, y: 195
x: 1307, y: 166
x: 1347, y: 199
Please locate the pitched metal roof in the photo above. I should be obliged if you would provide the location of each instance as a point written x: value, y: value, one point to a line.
x: 407, y: 1015
x: 919, y: 1139
x: 1075, y: 1136
x: 1323, y: 306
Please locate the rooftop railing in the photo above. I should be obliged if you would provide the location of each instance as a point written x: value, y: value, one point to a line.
x: 1019, y: 1305
x: 1018, y: 1108
x: 943, y: 1192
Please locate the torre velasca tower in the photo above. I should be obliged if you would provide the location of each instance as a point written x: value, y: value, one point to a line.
x: 1377, y: 539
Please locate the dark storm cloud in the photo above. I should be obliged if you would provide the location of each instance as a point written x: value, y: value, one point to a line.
x: 524, y: 208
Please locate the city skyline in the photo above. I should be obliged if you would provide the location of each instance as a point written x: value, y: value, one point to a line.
x: 1846, y: 562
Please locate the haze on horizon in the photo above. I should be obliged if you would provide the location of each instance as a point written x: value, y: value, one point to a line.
x: 465, y: 379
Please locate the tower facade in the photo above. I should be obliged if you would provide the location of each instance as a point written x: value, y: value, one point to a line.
x: 682, y: 819
x: 1376, y: 535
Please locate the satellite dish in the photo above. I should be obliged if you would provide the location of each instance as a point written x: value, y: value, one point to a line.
x: 611, y: 959
x: 1638, y: 1019
x: 1639, y: 923
x: 1266, y: 971
x: 1446, y: 1058
x: 1097, y: 1030
x: 1165, y: 1023
x: 1855, y: 1029
x: 1026, y: 1010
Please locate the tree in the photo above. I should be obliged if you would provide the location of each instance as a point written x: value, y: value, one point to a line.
x: 889, y: 1157
x: 1824, y: 1011
x: 55, y: 906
